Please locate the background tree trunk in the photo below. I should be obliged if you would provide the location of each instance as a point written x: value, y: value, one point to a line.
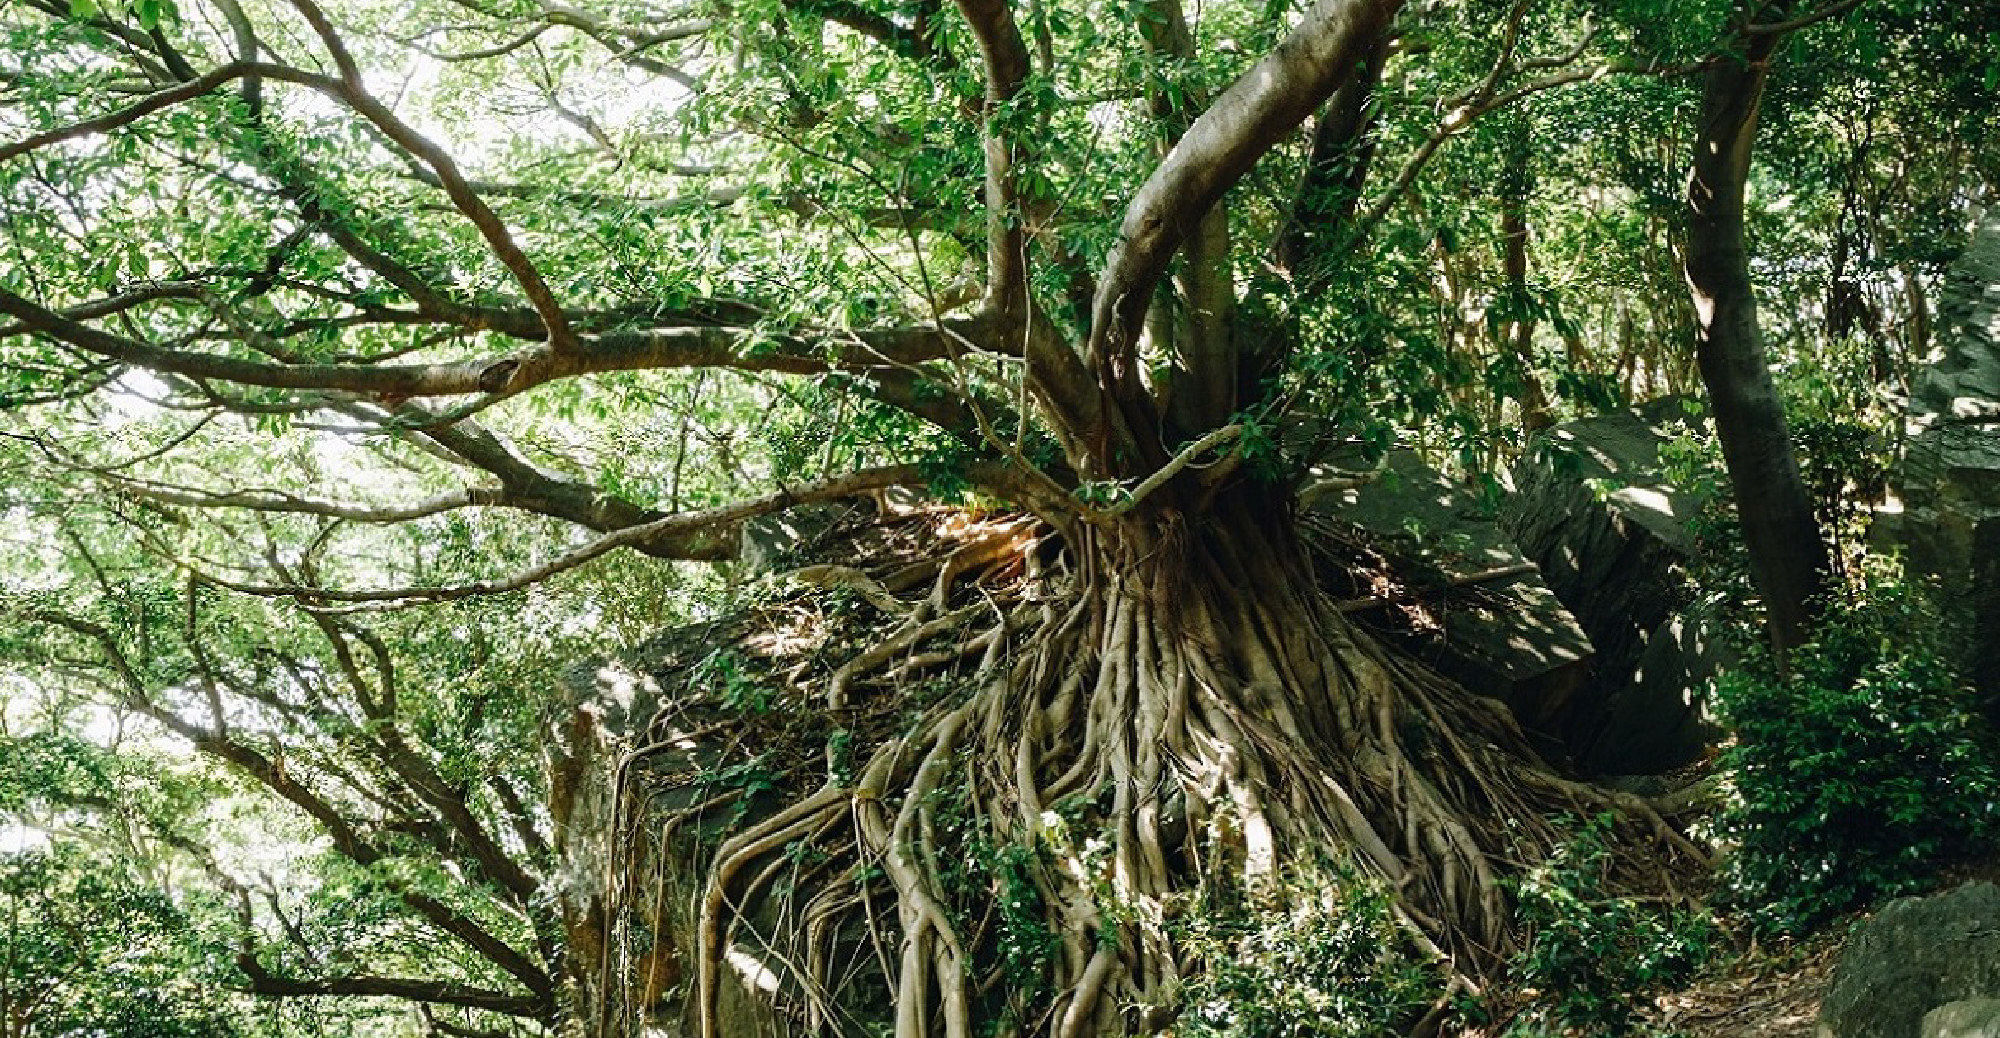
x: 1517, y: 184
x: 1787, y: 559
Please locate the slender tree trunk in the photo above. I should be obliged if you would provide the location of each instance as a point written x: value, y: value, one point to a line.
x: 1787, y: 559
x: 1916, y: 329
x: 1516, y: 184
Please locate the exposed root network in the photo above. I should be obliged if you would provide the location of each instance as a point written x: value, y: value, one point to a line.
x: 997, y: 813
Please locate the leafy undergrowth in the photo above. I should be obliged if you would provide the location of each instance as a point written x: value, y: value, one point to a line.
x: 1859, y: 773
x: 1746, y: 989
x: 1597, y: 962
x: 1757, y: 992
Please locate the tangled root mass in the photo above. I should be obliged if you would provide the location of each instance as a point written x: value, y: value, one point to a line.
x: 993, y: 818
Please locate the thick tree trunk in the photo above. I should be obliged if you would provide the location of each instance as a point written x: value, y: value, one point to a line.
x: 1343, y: 150
x: 1787, y: 558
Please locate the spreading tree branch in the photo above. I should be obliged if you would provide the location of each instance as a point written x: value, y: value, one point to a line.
x: 1202, y: 387
x: 743, y: 349
x: 1343, y: 150
x: 709, y: 521
x: 1830, y: 11
x: 1007, y: 66
x: 347, y: 839
x: 434, y: 992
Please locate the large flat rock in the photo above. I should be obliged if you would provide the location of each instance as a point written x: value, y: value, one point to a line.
x: 1611, y: 533
x: 1499, y: 630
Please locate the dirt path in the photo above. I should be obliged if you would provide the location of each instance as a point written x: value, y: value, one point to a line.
x: 1763, y: 996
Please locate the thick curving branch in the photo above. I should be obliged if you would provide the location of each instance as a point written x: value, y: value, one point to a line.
x: 1343, y: 150
x: 1325, y: 49
x: 434, y: 992
x: 909, y: 44
x: 530, y: 487
x: 499, y: 239
x: 667, y: 529
x: 151, y: 103
x: 133, y: 298
x: 1007, y: 65
x: 1202, y: 389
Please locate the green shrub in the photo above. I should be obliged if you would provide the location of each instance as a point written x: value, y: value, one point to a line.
x: 1845, y: 461
x: 1589, y: 956
x: 1319, y: 956
x: 1858, y: 773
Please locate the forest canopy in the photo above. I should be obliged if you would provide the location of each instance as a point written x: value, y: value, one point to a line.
x: 368, y: 368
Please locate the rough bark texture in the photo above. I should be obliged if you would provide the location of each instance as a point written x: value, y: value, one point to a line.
x: 1787, y: 558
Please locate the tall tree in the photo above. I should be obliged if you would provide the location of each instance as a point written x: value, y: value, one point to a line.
x: 1787, y: 556
x: 222, y: 224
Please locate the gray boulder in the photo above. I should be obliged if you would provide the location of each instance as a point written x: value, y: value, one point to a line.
x: 1500, y: 631
x: 1971, y: 1018
x: 1915, y: 956
x: 1611, y: 534
x: 779, y: 541
x: 1950, y: 478
x: 1965, y: 381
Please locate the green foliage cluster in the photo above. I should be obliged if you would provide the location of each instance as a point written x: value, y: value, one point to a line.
x: 822, y: 180
x: 1318, y: 955
x: 1867, y: 765
x: 1846, y: 465
x: 993, y: 883
x: 88, y: 949
x: 1592, y: 956
x: 1861, y: 770
x: 729, y: 680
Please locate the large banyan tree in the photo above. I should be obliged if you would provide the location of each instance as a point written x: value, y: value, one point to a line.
x: 1078, y: 260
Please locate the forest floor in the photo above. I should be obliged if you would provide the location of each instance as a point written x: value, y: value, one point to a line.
x: 1774, y: 992
x: 1761, y: 994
